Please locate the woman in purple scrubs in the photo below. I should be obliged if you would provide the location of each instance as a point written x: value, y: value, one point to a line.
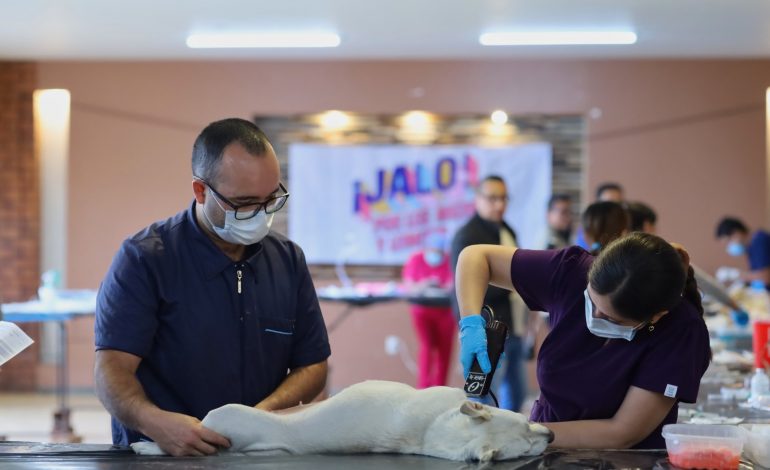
x: 627, y: 340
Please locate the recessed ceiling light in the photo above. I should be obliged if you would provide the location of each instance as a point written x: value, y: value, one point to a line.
x: 416, y: 120
x: 264, y: 40
x: 335, y: 120
x: 499, y: 117
x: 557, y: 38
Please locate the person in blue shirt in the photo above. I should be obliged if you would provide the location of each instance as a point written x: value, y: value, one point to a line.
x: 734, y: 235
x: 209, y: 307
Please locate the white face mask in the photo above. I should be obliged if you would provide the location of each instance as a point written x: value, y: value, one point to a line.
x: 604, y: 328
x: 242, y: 232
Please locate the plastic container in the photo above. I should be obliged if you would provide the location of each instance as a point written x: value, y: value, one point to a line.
x: 712, y: 446
x: 760, y: 384
x: 758, y: 443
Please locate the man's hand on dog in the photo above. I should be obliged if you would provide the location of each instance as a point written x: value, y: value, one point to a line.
x: 180, y: 435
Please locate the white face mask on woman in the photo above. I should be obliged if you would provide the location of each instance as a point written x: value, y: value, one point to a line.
x: 242, y: 232
x: 605, y: 328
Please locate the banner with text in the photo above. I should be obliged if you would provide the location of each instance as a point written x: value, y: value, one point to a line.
x: 376, y: 204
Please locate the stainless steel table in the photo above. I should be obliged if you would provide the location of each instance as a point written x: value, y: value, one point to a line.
x: 28, y: 456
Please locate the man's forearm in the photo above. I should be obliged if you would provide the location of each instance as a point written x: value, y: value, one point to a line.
x: 302, y: 385
x: 123, y: 396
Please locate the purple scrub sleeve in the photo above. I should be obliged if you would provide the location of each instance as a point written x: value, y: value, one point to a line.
x: 546, y: 278
x: 674, y: 365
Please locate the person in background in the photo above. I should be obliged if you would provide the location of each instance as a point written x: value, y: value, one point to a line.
x: 209, y: 307
x: 627, y: 342
x: 559, y: 221
x: 734, y: 236
x: 604, y: 222
x: 488, y: 227
x: 435, y: 325
x: 610, y: 191
x: 643, y: 218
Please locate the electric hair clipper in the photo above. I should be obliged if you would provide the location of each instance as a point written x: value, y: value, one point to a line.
x: 477, y: 383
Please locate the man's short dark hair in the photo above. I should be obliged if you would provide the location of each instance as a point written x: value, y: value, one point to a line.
x: 640, y: 213
x: 608, y: 187
x: 559, y: 197
x: 488, y: 178
x: 208, y: 147
x: 729, y: 225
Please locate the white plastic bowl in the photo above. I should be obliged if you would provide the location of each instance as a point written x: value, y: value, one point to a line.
x: 758, y: 443
x: 712, y: 446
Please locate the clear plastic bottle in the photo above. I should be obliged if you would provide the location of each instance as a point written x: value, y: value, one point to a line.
x: 760, y: 384
x: 48, y: 286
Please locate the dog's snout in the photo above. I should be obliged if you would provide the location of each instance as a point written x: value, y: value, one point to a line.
x: 550, y: 436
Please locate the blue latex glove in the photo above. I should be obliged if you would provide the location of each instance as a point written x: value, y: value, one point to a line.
x: 473, y: 343
x: 740, y: 318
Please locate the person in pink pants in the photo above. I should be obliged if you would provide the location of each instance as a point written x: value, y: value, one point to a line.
x: 435, y: 326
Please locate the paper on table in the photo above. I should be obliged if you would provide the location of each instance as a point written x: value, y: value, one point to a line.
x: 12, y: 341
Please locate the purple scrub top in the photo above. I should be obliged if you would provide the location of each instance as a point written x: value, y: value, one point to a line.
x: 583, y: 376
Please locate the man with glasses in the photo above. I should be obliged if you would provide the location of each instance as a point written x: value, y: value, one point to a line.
x: 209, y: 307
x: 487, y: 227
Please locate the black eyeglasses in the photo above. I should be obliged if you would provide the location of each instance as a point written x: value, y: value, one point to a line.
x: 493, y: 198
x: 247, y: 211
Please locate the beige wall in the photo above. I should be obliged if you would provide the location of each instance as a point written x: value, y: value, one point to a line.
x: 133, y: 125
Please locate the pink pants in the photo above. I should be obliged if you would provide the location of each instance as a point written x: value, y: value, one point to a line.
x: 436, y: 332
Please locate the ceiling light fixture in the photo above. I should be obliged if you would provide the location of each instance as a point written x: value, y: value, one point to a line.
x: 499, y: 117
x: 557, y: 38
x: 262, y: 40
x: 334, y: 120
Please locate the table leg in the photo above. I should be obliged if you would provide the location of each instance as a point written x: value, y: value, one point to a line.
x: 62, y: 429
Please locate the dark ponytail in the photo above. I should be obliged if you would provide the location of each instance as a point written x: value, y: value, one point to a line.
x: 643, y: 274
x: 691, y: 291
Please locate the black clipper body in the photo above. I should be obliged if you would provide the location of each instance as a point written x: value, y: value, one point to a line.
x: 477, y: 383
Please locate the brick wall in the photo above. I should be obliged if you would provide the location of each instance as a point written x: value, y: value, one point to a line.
x: 19, y: 210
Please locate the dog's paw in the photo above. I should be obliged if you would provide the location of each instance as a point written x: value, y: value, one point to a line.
x: 147, y: 448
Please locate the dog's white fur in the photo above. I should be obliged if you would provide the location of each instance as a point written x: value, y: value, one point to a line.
x: 379, y: 416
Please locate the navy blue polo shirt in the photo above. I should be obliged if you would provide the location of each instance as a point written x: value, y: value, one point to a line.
x: 172, y: 298
x: 759, y: 251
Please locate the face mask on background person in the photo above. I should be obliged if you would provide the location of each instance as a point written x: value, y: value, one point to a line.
x: 433, y: 258
x: 736, y: 249
x: 605, y: 328
x: 242, y: 232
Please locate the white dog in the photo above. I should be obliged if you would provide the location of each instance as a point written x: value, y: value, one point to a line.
x: 379, y: 416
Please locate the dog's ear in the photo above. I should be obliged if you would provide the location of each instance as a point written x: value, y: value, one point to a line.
x: 475, y: 410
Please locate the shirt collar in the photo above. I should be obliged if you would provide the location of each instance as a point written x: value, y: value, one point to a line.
x: 211, y: 260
